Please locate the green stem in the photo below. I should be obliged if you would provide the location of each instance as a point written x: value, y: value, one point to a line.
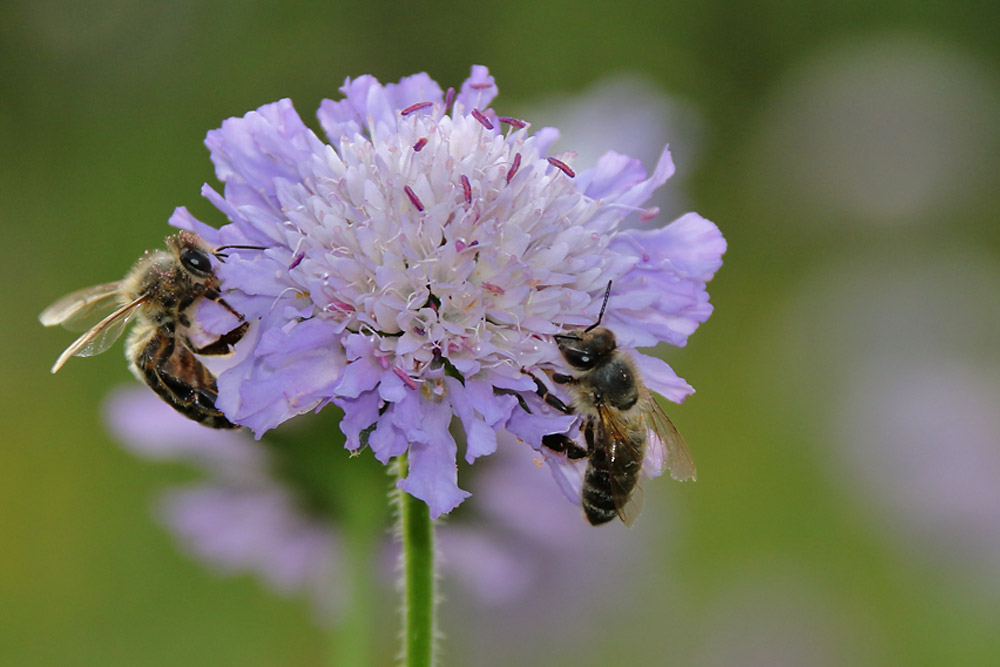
x: 419, y: 592
x: 361, y: 532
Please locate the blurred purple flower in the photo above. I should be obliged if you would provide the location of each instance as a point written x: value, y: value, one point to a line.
x: 421, y: 261
x: 778, y: 614
x: 906, y: 350
x: 630, y: 114
x: 242, y: 519
x: 515, y: 537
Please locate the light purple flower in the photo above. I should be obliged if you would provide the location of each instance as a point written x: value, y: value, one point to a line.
x: 513, y: 540
x: 907, y: 353
x: 241, y: 518
x: 417, y: 266
x: 630, y: 114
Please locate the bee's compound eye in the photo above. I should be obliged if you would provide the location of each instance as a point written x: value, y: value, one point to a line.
x: 578, y: 359
x: 196, y: 262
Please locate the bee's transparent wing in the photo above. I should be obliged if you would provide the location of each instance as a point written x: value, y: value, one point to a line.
x: 79, y: 310
x: 666, y: 447
x: 101, y: 336
x: 630, y: 511
x: 624, y: 455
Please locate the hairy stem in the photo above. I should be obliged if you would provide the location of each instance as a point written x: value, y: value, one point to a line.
x: 416, y: 533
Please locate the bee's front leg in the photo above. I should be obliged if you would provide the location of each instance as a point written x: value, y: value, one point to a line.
x: 550, y: 398
x: 562, y: 378
x: 224, y: 344
x: 216, y: 296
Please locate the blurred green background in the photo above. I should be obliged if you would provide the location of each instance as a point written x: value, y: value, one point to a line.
x: 845, y: 426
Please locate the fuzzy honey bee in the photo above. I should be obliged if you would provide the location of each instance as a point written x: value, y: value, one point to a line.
x: 158, y: 293
x: 621, y: 419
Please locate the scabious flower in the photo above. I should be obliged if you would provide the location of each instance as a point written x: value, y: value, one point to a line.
x: 417, y: 265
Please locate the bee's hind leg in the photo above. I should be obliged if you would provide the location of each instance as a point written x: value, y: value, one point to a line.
x: 560, y: 442
x: 179, y: 379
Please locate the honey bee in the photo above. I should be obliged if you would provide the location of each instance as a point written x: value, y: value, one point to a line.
x: 158, y: 293
x: 620, y: 420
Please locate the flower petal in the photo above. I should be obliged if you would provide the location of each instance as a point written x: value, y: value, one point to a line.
x: 660, y: 377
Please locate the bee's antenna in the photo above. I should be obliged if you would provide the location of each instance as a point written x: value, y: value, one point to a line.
x: 243, y: 247
x: 222, y: 255
x: 600, y: 316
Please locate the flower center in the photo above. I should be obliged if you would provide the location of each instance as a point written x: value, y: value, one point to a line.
x: 442, y: 237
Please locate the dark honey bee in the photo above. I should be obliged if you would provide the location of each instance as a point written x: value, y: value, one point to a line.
x: 620, y: 420
x: 158, y: 293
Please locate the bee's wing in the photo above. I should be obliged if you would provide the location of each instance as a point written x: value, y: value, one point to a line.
x: 624, y: 454
x: 77, y: 311
x: 666, y: 445
x: 630, y: 510
x: 101, y: 336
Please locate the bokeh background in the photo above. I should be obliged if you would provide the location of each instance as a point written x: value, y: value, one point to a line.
x: 846, y: 425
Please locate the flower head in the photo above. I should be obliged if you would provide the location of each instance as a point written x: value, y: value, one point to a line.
x: 417, y: 265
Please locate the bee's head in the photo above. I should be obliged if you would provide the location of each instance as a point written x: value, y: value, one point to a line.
x: 585, y: 350
x: 192, y: 254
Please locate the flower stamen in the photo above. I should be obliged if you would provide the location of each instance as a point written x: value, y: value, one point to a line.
x: 514, y: 167
x: 407, y: 380
x: 414, y: 108
x: 466, y: 189
x: 513, y: 122
x: 478, y: 115
x: 413, y: 198
x: 562, y: 166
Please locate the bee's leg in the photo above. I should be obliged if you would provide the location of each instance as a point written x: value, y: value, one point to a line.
x: 161, y: 362
x: 225, y: 343
x: 560, y: 378
x: 557, y: 442
x: 216, y: 296
x: 187, y: 300
x: 550, y: 398
x: 560, y: 442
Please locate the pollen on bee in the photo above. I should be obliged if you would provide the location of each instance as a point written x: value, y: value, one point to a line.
x: 538, y: 462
